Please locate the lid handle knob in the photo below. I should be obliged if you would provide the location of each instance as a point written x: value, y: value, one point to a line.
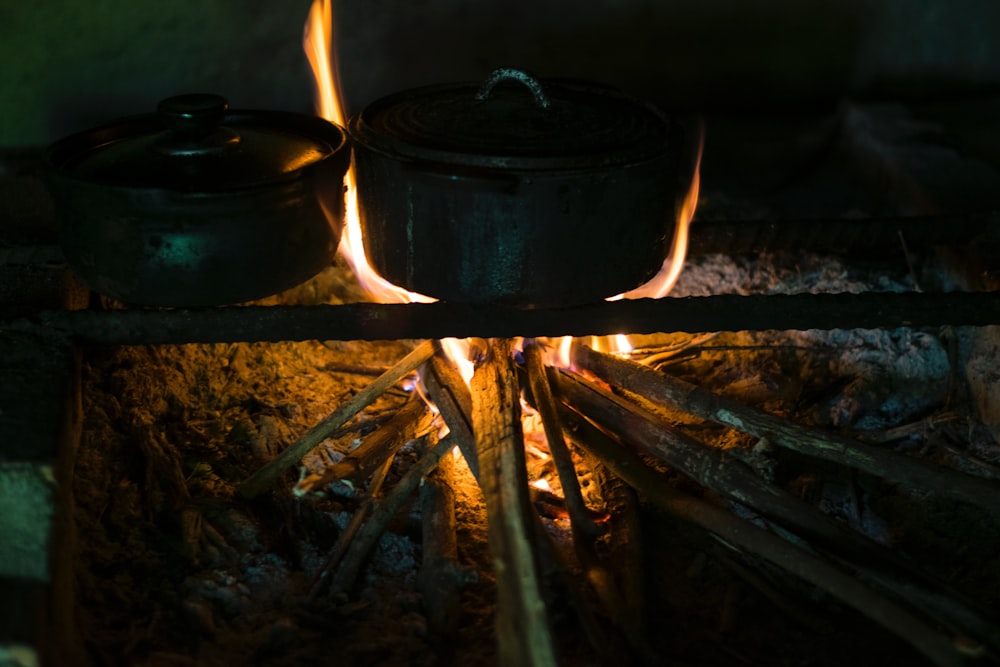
x: 194, y: 124
x: 512, y: 74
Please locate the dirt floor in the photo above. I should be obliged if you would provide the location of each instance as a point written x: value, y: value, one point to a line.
x: 175, y: 569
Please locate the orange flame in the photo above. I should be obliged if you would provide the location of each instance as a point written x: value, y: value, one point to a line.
x: 666, y: 278
x: 319, y: 45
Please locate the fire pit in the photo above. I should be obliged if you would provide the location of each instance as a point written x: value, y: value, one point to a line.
x: 794, y: 464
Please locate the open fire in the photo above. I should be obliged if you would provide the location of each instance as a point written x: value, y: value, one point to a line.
x: 320, y: 47
x: 761, y: 497
x: 483, y: 427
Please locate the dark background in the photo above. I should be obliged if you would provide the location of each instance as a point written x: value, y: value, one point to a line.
x: 67, y: 65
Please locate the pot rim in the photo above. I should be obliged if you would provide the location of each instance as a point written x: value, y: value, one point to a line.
x: 395, y: 126
x: 184, y: 174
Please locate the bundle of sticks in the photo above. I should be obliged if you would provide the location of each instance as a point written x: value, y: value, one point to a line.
x: 611, y: 410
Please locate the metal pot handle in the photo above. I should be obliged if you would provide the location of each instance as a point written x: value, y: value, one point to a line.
x: 512, y: 74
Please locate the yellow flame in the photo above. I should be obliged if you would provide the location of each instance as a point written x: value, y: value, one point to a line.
x: 317, y: 42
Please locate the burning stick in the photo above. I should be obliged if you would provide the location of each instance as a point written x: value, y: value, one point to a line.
x: 811, y: 442
x: 448, y: 391
x: 264, y: 478
x: 523, y: 631
x: 741, y: 534
x: 583, y: 527
x: 412, y: 420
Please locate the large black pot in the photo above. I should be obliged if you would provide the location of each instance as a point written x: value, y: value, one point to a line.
x: 197, y: 205
x: 517, y: 191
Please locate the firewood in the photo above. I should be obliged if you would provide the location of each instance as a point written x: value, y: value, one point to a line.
x: 380, y: 321
x: 266, y: 476
x: 704, y: 404
x: 350, y: 530
x: 583, y: 527
x: 733, y: 479
x: 523, y: 633
x: 441, y: 579
x: 709, y: 466
x: 409, y: 422
x: 743, y: 535
x: 447, y: 390
x: 368, y: 536
x: 624, y: 546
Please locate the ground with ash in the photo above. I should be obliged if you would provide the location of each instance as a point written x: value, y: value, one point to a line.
x: 174, y: 569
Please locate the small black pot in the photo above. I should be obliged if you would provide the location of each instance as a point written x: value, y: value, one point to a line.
x: 197, y: 205
x: 559, y: 192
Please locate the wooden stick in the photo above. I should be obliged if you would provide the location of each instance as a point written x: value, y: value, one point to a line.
x: 369, y: 534
x: 523, y: 634
x: 709, y: 466
x: 376, y: 321
x: 731, y: 478
x: 625, y: 546
x: 410, y: 421
x: 809, y: 441
x: 347, y: 535
x: 447, y: 390
x: 583, y: 527
x: 441, y: 578
x: 264, y: 478
x: 742, y: 534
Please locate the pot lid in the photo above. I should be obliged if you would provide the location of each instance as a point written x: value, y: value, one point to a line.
x: 515, y: 121
x: 194, y: 143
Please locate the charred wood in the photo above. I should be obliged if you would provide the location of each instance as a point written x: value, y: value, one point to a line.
x: 441, y: 579
x: 583, y: 527
x: 704, y: 404
x: 742, y: 535
x: 624, y: 545
x: 383, y: 512
x: 709, y: 466
x: 347, y: 535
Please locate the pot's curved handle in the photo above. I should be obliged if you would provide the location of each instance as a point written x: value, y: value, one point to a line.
x: 512, y: 74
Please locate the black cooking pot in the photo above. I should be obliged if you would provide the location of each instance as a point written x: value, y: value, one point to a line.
x: 197, y: 205
x: 517, y: 191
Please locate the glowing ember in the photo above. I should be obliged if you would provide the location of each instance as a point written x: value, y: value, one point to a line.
x: 542, y: 484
